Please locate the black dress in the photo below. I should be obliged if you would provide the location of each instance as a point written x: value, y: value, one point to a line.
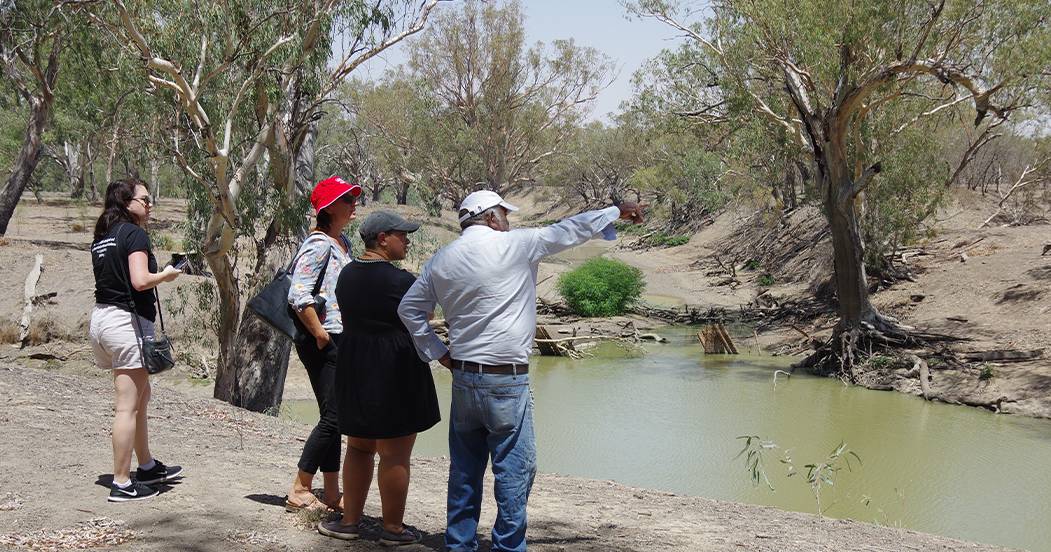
x: 383, y: 388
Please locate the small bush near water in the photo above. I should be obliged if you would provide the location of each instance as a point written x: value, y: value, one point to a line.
x: 601, y: 287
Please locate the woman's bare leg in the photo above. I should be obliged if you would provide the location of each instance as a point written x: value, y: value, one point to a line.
x: 142, y: 432
x: 394, y: 479
x: 357, y: 477
x: 301, y: 493
x: 129, y: 384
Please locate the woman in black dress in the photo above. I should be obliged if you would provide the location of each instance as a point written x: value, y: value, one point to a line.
x: 385, y: 392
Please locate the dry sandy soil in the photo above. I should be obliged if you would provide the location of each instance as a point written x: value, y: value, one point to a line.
x: 56, y: 465
x: 54, y: 400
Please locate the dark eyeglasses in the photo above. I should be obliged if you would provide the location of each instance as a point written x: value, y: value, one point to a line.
x: 348, y: 198
x: 146, y: 201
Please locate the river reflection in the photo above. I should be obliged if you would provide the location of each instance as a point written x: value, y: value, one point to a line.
x: 670, y: 420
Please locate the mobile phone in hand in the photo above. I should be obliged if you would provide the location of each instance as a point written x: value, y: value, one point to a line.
x: 179, y: 261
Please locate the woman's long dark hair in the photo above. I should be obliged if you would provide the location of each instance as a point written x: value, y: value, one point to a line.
x: 119, y: 194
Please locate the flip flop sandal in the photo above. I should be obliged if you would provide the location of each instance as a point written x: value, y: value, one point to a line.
x: 334, y: 506
x: 292, y: 507
x: 408, y: 535
x: 337, y: 530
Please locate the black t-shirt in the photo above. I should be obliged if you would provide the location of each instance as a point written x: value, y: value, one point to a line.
x: 368, y: 293
x: 109, y: 259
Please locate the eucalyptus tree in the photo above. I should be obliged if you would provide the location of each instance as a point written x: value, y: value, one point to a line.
x: 500, y: 109
x: 34, y: 35
x: 848, y: 83
x: 598, y: 163
x: 388, y: 125
x: 250, y: 79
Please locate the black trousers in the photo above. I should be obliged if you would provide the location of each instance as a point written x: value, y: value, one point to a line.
x: 322, y: 448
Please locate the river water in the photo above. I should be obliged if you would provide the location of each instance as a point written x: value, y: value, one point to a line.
x: 670, y: 419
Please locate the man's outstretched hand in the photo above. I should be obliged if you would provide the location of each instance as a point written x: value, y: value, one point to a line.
x: 629, y: 210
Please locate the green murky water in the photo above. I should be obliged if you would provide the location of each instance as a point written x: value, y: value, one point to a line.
x: 669, y: 420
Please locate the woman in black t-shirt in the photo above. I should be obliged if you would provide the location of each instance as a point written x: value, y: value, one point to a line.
x: 125, y: 275
x: 385, y: 393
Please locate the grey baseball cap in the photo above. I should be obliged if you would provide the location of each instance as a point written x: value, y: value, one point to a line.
x: 385, y: 221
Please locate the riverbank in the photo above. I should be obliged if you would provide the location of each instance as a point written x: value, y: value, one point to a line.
x: 56, y: 459
x: 986, y: 287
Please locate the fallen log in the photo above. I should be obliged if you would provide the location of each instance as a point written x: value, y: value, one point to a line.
x: 30, y: 293
x: 45, y: 298
x: 1006, y: 355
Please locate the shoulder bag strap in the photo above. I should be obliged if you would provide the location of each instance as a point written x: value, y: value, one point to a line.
x: 321, y: 276
x: 160, y: 313
x: 324, y: 268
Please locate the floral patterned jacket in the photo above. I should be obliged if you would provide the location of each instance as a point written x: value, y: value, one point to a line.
x: 305, y: 274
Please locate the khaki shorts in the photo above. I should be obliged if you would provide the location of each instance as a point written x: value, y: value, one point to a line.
x: 115, y: 337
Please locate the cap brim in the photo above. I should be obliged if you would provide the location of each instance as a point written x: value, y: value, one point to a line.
x: 354, y: 190
x: 508, y: 206
x: 408, y: 227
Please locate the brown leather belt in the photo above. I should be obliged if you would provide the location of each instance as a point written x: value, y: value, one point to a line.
x: 501, y: 369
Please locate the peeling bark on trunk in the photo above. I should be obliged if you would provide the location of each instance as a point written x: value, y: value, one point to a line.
x: 261, y: 355
x: 155, y: 181
x: 848, y: 249
x: 74, y: 167
x: 26, y: 161
x: 229, y: 309
x: 90, y: 184
x: 112, y: 154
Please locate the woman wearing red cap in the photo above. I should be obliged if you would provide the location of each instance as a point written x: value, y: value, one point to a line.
x: 312, y: 295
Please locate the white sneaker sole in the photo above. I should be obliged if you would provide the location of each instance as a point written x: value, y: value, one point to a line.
x: 130, y: 498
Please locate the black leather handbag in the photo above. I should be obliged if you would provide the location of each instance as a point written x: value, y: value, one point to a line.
x: 157, y: 353
x: 271, y: 303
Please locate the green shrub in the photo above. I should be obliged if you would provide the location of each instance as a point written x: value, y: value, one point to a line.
x: 669, y: 240
x: 880, y: 362
x: 163, y: 242
x: 985, y: 372
x: 627, y: 228
x: 601, y: 287
x: 766, y: 280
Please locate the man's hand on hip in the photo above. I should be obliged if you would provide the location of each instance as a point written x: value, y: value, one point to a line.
x: 629, y: 210
x: 446, y: 361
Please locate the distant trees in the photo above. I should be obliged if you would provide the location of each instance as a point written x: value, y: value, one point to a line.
x: 33, y: 37
x: 858, y: 89
x: 476, y: 107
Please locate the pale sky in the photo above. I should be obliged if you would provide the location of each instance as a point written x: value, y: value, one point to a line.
x: 600, y: 24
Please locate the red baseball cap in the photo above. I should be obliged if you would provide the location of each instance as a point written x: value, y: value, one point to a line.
x: 329, y: 190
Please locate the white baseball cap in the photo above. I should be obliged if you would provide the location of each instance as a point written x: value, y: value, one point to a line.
x: 479, y: 201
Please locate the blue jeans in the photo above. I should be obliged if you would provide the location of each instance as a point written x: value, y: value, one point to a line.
x: 492, y: 416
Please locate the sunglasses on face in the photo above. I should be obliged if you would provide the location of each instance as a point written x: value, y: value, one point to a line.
x: 146, y: 201
x: 348, y: 198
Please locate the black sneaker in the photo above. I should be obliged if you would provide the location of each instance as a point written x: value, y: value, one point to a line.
x: 135, y: 491
x: 158, y: 474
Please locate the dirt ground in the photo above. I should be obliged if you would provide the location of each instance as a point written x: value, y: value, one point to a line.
x: 56, y: 463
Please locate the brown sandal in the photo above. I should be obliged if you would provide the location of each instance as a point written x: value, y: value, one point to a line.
x: 314, y: 504
x: 335, y: 507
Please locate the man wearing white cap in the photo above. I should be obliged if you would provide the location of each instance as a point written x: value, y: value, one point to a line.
x: 485, y: 282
